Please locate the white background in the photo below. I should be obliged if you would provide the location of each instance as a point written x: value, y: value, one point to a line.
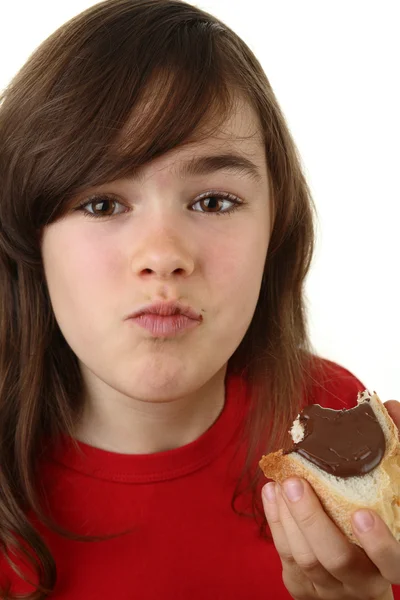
x: 334, y: 67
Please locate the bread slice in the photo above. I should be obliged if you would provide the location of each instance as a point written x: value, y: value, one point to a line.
x: 378, y: 490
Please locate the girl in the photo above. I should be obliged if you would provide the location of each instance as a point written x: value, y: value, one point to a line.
x: 156, y: 232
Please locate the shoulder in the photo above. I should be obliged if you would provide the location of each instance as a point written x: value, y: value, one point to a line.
x: 331, y: 385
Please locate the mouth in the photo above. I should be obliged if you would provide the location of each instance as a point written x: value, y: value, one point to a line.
x: 165, y: 326
x: 166, y: 319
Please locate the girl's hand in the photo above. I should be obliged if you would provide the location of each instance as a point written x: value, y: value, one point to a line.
x: 318, y: 560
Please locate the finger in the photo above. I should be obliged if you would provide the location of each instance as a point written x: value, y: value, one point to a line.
x: 272, y: 513
x: 379, y: 544
x: 294, y: 578
x: 301, y: 550
x: 393, y: 408
x: 345, y: 561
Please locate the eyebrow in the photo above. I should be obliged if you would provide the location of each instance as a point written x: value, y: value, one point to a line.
x: 205, y: 165
x: 236, y: 163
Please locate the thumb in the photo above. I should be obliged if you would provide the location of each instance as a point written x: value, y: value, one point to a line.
x: 393, y: 408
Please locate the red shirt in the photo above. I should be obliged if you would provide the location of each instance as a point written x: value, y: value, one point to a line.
x: 186, y: 542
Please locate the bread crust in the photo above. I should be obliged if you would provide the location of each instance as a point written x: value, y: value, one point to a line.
x: 278, y: 467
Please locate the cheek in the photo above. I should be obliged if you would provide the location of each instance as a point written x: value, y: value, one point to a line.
x: 237, y: 260
x: 78, y: 271
x: 234, y: 268
x: 87, y: 273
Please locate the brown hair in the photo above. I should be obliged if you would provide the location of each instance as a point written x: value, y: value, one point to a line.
x: 62, y: 119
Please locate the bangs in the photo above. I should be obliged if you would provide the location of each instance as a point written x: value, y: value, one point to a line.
x: 176, y: 108
x: 130, y: 113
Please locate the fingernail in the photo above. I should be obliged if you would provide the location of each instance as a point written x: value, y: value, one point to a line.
x: 363, y: 520
x: 293, y: 489
x: 269, y: 492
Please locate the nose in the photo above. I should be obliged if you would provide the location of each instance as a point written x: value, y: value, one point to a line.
x: 163, y: 256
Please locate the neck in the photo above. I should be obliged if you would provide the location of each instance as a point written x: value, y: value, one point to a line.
x: 131, y: 426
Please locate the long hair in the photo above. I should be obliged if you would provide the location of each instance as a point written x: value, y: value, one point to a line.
x: 73, y: 117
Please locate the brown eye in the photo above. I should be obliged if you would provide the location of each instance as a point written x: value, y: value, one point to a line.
x: 103, y: 206
x: 212, y: 203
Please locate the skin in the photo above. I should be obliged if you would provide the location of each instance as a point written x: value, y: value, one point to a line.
x: 317, y: 559
x: 146, y: 394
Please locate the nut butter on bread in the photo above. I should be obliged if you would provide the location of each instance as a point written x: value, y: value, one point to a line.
x: 350, y: 457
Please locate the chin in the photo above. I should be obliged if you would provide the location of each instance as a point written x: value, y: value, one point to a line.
x: 160, y: 381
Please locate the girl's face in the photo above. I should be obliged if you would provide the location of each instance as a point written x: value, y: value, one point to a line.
x: 168, y: 235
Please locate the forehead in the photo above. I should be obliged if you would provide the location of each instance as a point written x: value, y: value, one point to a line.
x: 241, y: 123
x: 239, y: 130
x: 235, y: 140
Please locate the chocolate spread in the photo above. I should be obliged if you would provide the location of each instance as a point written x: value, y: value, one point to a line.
x: 341, y: 442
